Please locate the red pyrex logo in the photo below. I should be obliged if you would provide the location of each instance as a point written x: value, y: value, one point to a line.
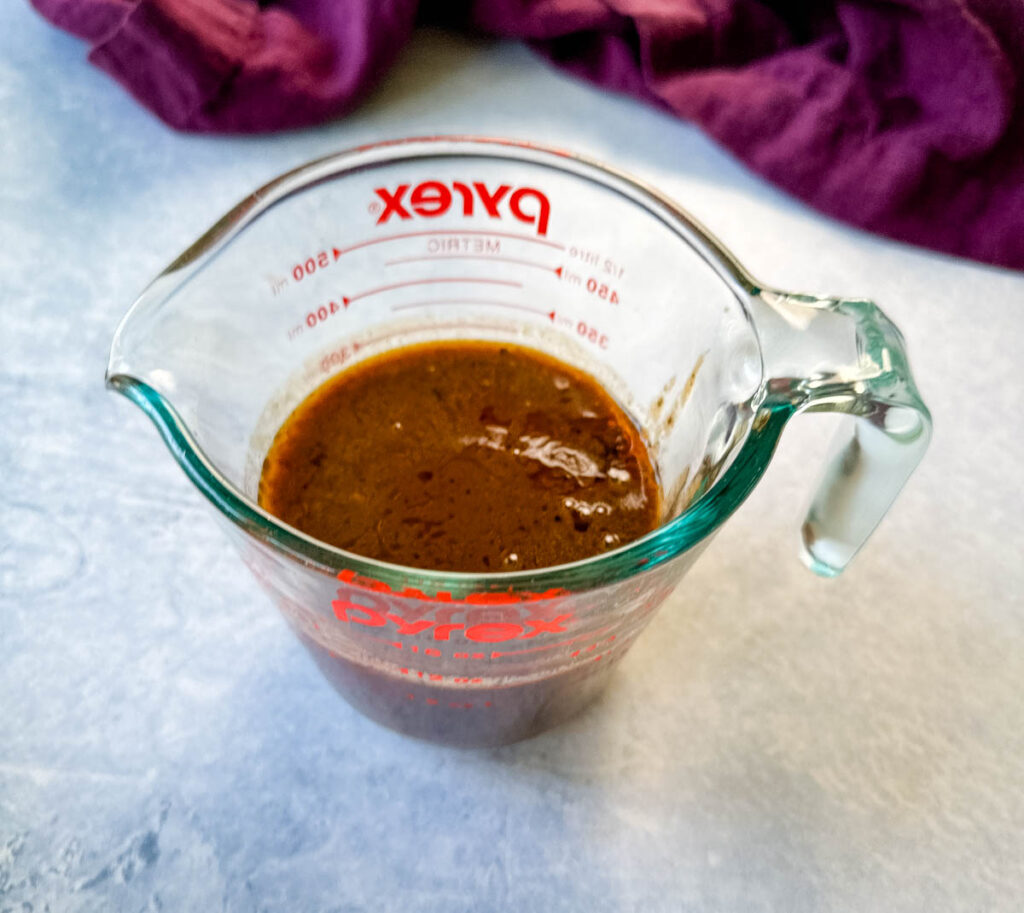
x: 490, y: 617
x: 434, y: 198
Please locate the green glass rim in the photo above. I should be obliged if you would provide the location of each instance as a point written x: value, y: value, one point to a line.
x: 669, y: 540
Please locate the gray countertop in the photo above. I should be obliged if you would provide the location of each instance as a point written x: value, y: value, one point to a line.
x: 773, y: 742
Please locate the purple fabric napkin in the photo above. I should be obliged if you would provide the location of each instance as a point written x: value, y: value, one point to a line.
x: 904, y: 117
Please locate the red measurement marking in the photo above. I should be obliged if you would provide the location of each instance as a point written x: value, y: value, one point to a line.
x: 338, y: 357
x: 322, y: 313
x: 387, y: 288
x: 593, y: 285
x: 500, y: 304
x: 533, y: 263
x: 439, y: 231
x: 562, y: 643
x: 592, y: 335
x: 310, y: 265
x: 602, y: 290
x: 494, y: 654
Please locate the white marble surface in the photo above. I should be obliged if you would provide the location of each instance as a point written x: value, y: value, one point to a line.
x: 774, y: 741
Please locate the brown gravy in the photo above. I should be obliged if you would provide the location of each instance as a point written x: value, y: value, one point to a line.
x: 463, y: 456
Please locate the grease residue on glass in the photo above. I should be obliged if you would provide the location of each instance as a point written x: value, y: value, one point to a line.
x: 463, y: 456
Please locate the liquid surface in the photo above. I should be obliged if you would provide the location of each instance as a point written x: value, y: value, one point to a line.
x: 462, y: 456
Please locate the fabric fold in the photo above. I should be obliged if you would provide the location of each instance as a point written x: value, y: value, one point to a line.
x: 904, y: 117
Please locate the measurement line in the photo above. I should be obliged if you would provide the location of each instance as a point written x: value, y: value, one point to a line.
x: 533, y: 263
x: 563, y: 643
x: 500, y: 304
x: 341, y: 251
x: 388, y: 288
x: 494, y: 654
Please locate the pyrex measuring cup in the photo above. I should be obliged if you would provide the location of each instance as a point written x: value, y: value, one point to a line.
x: 454, y: 237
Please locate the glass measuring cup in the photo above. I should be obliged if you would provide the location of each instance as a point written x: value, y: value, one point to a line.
x: 459, y: 237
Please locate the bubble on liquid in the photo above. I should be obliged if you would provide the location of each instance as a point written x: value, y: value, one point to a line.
x: 617, y: 474
x: 573, y: 504
x: 634, y: 500
x: 586, y: 509
x: 510, y: 560
x: 610, y: 540
x: 561, y: 383
x: 397, y: 426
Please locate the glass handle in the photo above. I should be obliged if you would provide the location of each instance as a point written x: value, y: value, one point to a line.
x: 846, y: 356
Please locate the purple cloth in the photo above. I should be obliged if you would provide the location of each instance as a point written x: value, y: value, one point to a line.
x: 904, y: 117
